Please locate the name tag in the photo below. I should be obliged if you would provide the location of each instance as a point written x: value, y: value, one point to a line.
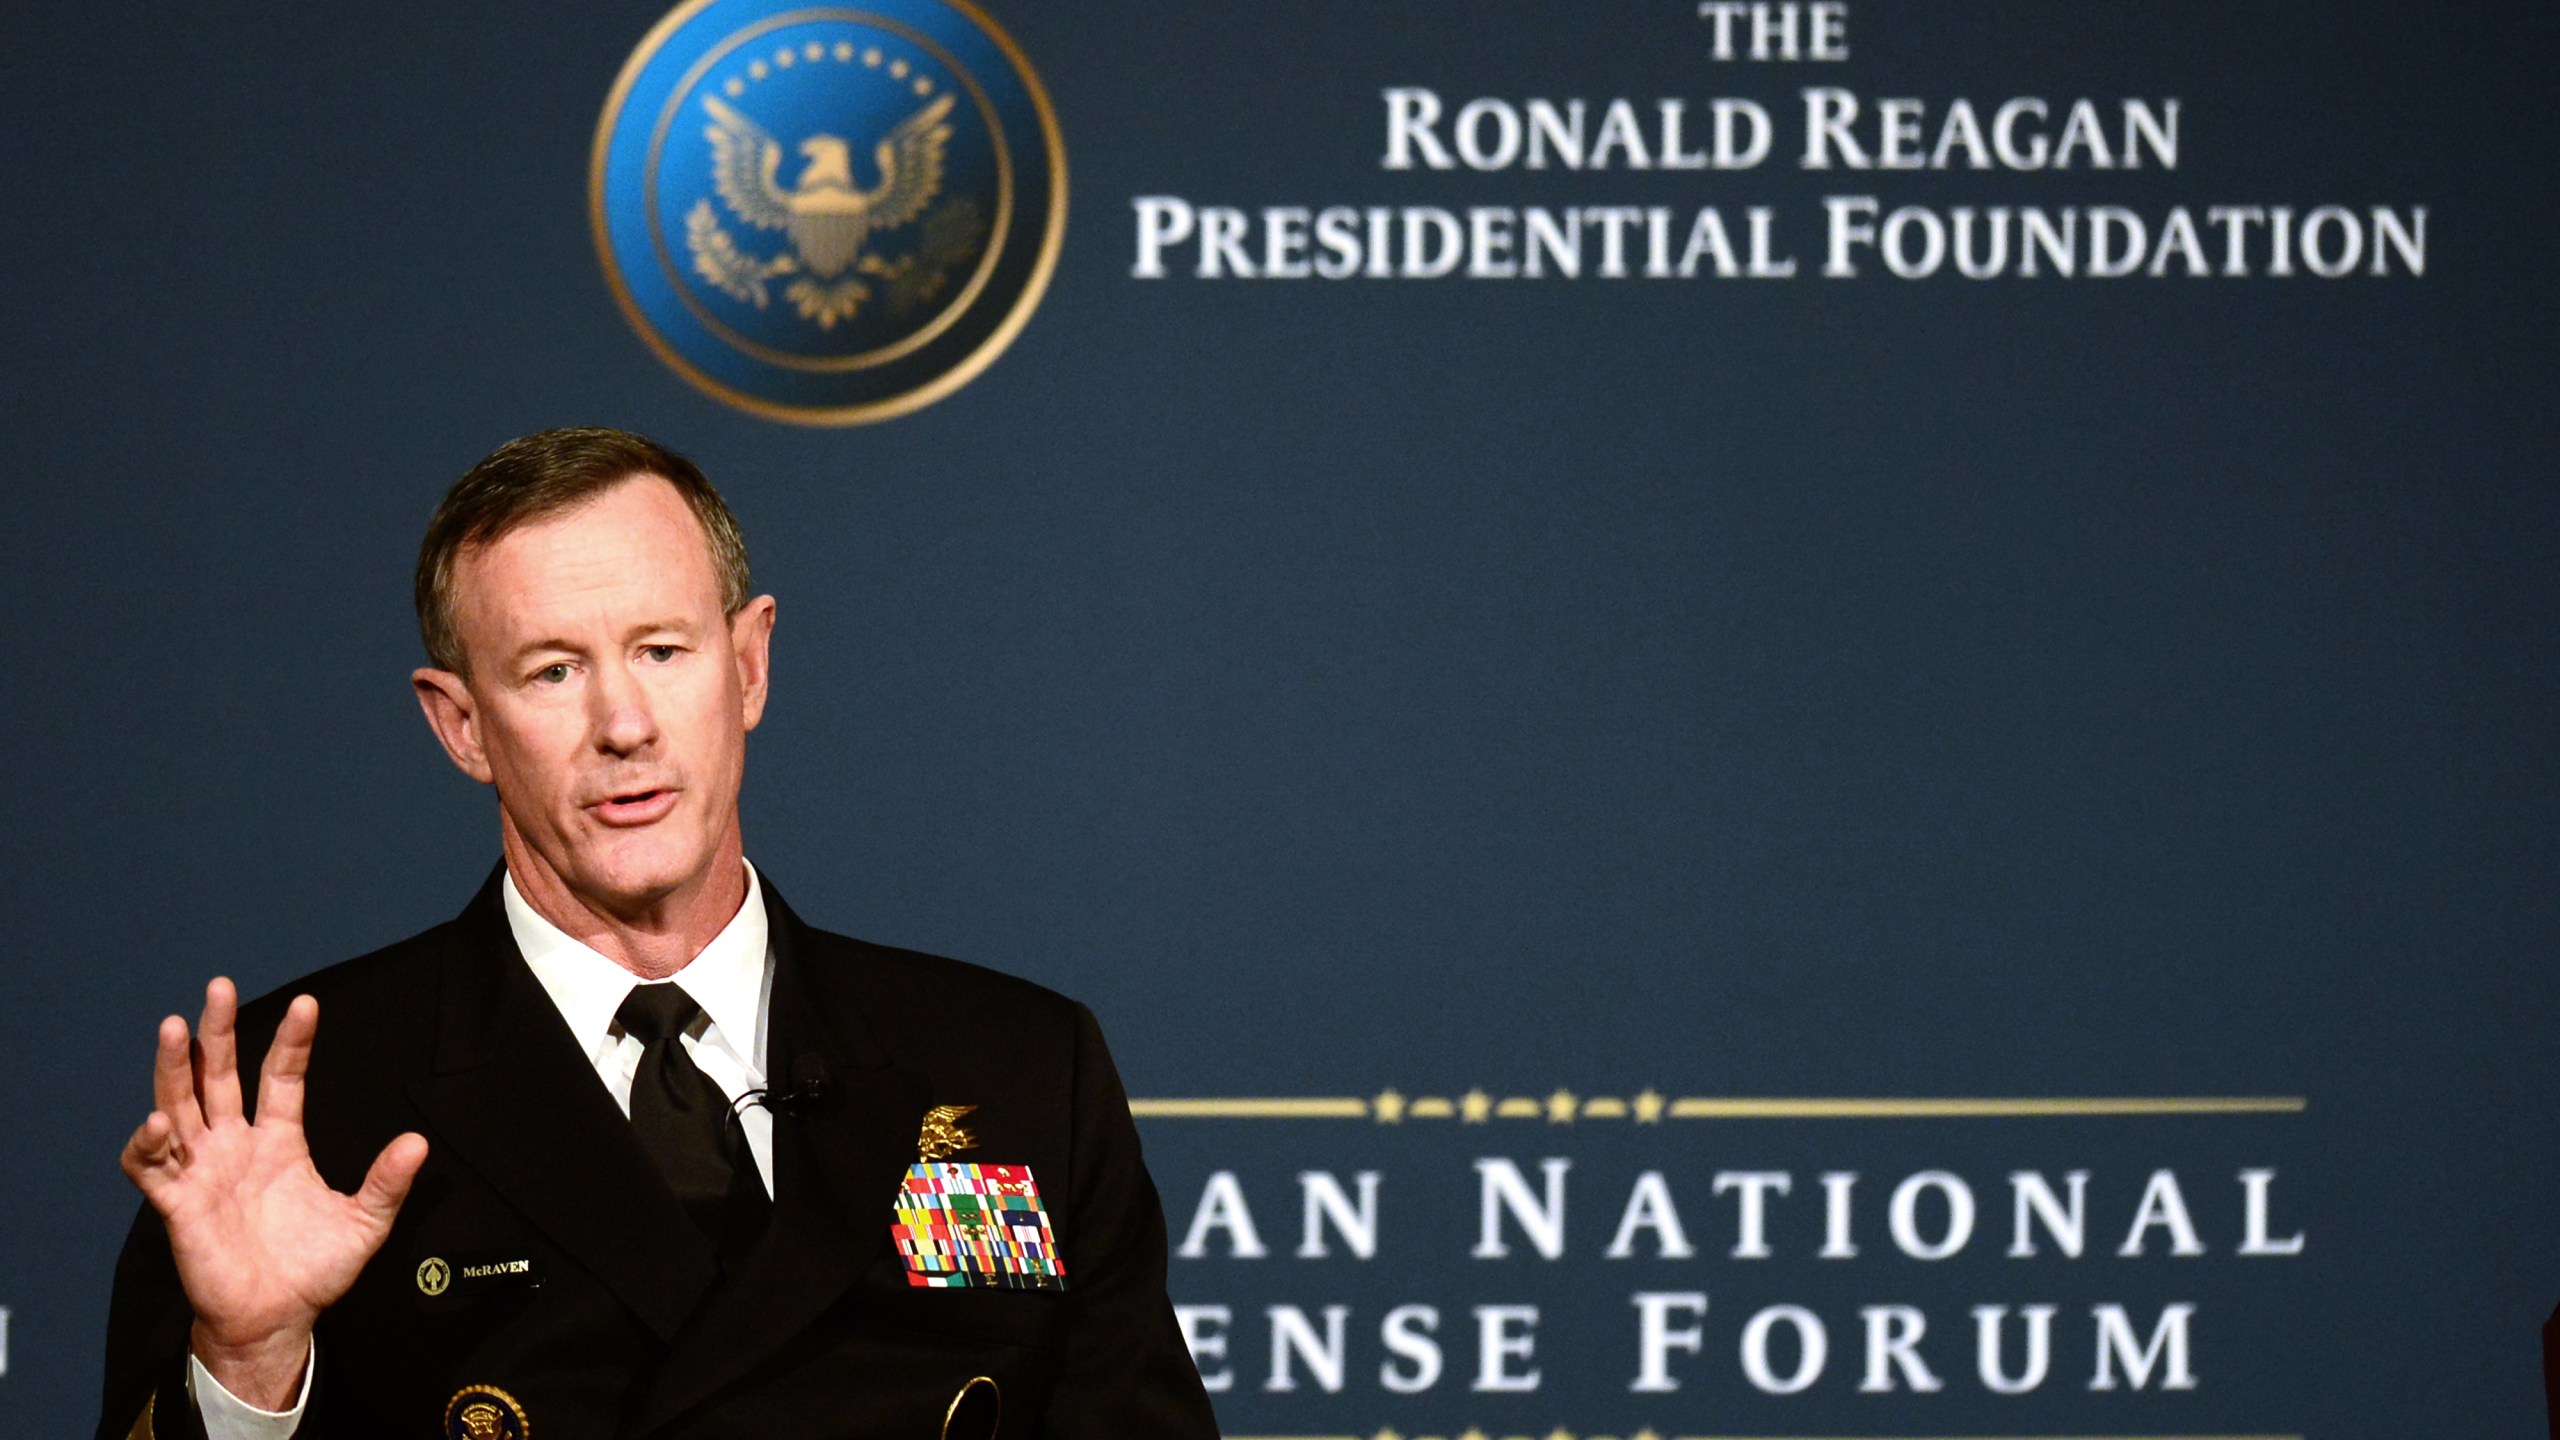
x: 455, y: 1279
x: 965, y: 1226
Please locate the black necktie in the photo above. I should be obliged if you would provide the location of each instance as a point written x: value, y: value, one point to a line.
x: 683, y: 1120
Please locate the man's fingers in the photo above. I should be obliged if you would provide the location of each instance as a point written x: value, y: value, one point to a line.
x: 153, y: 1146
x: 218, y: 1040
x: 288, y: 1059
x: 387, y: 1183
x: 173, y: 1079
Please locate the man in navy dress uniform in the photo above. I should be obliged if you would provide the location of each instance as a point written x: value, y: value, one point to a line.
x: 626, y: 1149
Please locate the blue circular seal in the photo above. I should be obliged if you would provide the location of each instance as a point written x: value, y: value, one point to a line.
x: 828, y: 215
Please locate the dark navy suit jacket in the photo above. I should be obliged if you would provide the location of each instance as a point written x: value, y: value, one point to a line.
x: 626, y: 1323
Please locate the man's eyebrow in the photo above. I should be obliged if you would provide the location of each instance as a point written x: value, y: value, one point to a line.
x: 531, y: 648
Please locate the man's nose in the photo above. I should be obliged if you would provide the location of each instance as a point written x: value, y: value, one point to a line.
x: 623, y: 721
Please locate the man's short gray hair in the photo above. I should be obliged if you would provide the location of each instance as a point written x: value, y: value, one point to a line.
x: 544, y: 474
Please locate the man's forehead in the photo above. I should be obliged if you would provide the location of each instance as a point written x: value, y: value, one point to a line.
x: 639, y: 515
x: 636, y: 539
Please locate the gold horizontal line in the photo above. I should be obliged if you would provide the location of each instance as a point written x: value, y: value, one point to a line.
x: 1847, y: 1438
x: 1810, y: 1108
x: 1852, y: 1438
x: 1699, y: 1107
x: 1323, y: 1107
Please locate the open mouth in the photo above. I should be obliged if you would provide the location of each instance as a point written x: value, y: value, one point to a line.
x: 634, y: 807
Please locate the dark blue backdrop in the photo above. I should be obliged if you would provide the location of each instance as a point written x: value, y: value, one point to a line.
x: 2138, y: 688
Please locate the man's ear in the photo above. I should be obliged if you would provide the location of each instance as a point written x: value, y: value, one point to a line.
x: 451, y: 713
x: 751, y: 640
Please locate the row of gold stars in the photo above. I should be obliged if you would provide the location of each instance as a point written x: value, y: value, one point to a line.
x: 1559, y: 1433
x: 1561, y: 1108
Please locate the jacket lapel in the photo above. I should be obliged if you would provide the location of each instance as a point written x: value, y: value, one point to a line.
x: 837, y: 1167
x: 516, y: 1102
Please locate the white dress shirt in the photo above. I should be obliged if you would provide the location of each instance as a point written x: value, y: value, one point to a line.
x: 732, y: 980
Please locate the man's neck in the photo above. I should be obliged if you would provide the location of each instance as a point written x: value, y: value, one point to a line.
x: 652, y: 941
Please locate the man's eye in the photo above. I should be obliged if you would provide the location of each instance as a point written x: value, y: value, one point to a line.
x: 658, y: 654
x: 551, y: 674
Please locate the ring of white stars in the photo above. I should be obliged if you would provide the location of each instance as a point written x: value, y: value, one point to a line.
x: 818, y: 52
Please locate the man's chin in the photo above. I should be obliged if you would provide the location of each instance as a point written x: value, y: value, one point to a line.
x: 640, y: 872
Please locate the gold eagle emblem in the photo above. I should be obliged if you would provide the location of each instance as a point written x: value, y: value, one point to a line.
x: 942, y: 1136
x: 485, y: 1412
x: 828, y: 218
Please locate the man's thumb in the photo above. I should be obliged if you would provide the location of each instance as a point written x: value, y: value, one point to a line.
x: 387, y: 1183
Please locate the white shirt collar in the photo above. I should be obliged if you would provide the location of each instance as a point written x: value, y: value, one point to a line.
x: 727, y: 979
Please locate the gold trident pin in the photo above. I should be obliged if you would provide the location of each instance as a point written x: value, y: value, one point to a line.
x: 942, y: 1136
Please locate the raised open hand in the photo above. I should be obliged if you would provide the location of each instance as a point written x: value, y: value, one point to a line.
x: 263, y: 1245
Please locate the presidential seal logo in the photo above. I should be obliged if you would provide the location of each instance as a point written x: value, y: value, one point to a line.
x: 828, y: 215
x: 485, y: 1412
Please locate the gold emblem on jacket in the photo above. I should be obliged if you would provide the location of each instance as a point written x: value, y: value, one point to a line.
x: 942, y: 1136
x: 485, y: 1412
